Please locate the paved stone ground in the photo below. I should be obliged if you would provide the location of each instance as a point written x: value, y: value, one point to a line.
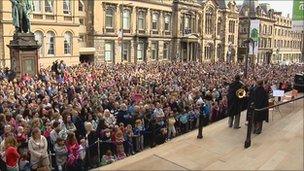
x: 279, y: 147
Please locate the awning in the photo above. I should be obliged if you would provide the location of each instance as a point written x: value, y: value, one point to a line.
x: 87, y: 51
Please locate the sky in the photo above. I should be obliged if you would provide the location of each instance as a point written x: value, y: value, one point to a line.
x: 284, y: 6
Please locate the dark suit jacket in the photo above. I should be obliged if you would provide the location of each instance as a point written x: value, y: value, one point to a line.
x: 234, y: 103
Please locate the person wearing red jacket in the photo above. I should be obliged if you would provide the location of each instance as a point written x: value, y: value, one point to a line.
x: 11, y: 154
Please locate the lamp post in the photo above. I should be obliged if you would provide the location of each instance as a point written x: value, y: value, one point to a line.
x: 247, y: 41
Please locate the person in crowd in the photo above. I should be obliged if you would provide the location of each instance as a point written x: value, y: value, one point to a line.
x: 260, y: 100
x: 73, y: 152
x: 62, y: 99
x: 61, y: 153
x: 171, y: 126
x: 108, y: 158
x: 139, y: 135
x: 38, y: 146
x: 129, y: 135
x: 119, y: 141
x: 11, y: 154
x: 234, y: 103
x: 91, y: 138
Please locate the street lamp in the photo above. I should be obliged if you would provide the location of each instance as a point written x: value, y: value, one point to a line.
x: 247, y: 41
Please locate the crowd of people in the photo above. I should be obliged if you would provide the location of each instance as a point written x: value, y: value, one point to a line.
x: 58, y: 116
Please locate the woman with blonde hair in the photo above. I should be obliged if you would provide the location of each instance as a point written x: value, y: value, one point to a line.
x: 11, y: 155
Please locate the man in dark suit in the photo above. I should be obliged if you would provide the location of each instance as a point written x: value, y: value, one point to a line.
x: 234, y: 103
x: 260, y: 100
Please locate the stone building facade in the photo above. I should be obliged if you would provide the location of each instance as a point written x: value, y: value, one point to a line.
x: 153, y: 30
x: 56, y: 25
x: 278, y: 42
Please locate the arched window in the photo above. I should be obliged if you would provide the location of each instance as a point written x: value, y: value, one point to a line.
x: 68, y: 40
x: 209, y: 21
x: 126, y: 19
x: 39, y: 39
x: 50, y: 44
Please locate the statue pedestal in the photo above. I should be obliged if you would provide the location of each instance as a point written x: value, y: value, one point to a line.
x: 24, y: 54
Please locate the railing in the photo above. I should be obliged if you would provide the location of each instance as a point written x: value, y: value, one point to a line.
x: 251, y: 112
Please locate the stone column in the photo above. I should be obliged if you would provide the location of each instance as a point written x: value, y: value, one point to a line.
x: 148, y: 21
x: 133, y: 20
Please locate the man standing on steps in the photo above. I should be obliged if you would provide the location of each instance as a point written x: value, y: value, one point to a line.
x: 260, y: 100
x: 234, y: 103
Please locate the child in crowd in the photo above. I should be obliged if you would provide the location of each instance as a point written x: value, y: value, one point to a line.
x: 129, y: 140
x: 82, y: 149
x: 161, y: 136
x: 184, y: 121
x: 139, y: 136
x: 214, y: 112
x: 171, y: 127
x: 21, y: 137
x: 61, y: 153
x: 119, y: 139
x: 108, y: 158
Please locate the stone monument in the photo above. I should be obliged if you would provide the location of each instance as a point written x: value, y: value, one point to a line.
x: 23, y: 47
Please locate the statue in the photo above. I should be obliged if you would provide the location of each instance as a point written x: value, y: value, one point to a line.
x: 20, y: 11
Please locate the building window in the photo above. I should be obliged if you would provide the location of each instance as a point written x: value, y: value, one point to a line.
x: 49, y: 6
x: 81, y: 21
x: 126, y: 50
x: 109, y: 18
x: 37, y: 7
x: 68, y: 40
x: 270, y: 30
x: 154, y: 50
x: 126, y: 19
x: 208, y: 52
x: 140, y: 51
x: 265, y: 29
x: 67, y: 7
x: 187, y: 22
x: 219, y: 26
x: 80, y: 5
x: 50, y: 43
x: 155, y: 18
x: 109, y: 51
x: 39, y: 39
x: 208, y: 22
x: 141, y: 20
x: 231, y: 39
x: 231, y: 26
x: 166, y: 50
x: 167, y: 22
